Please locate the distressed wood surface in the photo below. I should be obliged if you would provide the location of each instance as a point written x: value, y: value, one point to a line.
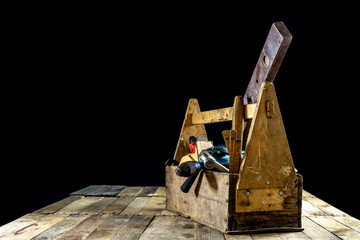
x: 268, y: 64
x: 213, y: 116
x: 267, y: 149
x: 270, y: 59
x: 189, y: 129
x: 138, y: 213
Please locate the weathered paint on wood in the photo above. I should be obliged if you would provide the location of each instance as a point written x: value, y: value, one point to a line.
x: 29, y: 227
x: 154, y: 206
x: 267, y: 159
x: 117, y: 206
x: 61, y: 227
x: 188, y: 129
x: 58, y: 205
x: 216, y: 191
x: 213, y: 116
x: 85, y: 191
x: 135, y: 206
x: 270, y: 59
x: 85, y: 228
x: 160, y: 228
x: 133, y: 228
x: 130, y: 192
x: 109, y: 227
x: 315, y: 231
x: 147, y: 192
x: 336, y: 227
x: 78, y: 205
x: 83, y: 223
x: 113, y: 191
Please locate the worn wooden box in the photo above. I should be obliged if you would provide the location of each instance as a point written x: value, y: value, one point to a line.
x: 261, y: 191
x: 211, y: 201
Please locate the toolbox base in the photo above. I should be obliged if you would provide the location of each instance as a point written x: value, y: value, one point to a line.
x: 211, y: 201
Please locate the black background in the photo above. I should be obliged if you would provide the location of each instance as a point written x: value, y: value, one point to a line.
x: 98, y: 95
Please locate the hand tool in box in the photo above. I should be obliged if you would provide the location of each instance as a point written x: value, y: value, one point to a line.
x: 215, y: 157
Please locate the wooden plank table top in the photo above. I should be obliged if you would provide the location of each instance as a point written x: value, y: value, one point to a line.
x: 120, y: 212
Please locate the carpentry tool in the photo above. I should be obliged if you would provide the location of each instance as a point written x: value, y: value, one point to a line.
x: 215, y: 157
x: 206, y: 161
x: 209, y: 162
x: 196, y: 145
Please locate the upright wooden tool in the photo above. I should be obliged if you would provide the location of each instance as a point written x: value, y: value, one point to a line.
x: 261, y: 192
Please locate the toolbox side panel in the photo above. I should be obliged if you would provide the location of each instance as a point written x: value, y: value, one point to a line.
x: 207, y: 202
x: 288, y: 219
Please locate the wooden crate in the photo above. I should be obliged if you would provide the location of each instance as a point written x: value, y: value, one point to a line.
x: 211, y: 201
x: 262, y: 191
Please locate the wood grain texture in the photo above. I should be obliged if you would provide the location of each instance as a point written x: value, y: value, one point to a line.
x: 133, y: 228
x: 249, y: 111
x: 184, y: 229
x: 336, y: 227
x: 324, y: 206
x: 274, y: 49
x: 154, y: 206
x: 84, y: 191
x: 216, y: 191
x: 204, y: 233
x: 30, y: 226
x: 85, y: 228
x: 315, y: 231
x: 238, y: 127
x: 226, y: 136
x: 206, y: 193
x: 78, y: 206
x: 61, y: 227
x: 213, y: 116
x: 109, y: 227
x: 161, y: 228
x: 113, y: 191
x: 117, y: 206
x: 135, y: 206
x: 147, y: 192
x: 188, y: 129
x: 109, y: 224
x: 98, y: 206
x: 130, y: 192
x: 52, y: 208
x: 267, y: 159
x: 294, y: 236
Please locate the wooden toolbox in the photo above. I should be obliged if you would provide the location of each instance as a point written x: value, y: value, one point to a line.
x: 262, y: 191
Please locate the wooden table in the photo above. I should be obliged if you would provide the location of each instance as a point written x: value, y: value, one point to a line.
x: 120, y: 212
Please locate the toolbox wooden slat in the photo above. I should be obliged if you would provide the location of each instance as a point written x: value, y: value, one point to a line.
x: 107, y: 218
